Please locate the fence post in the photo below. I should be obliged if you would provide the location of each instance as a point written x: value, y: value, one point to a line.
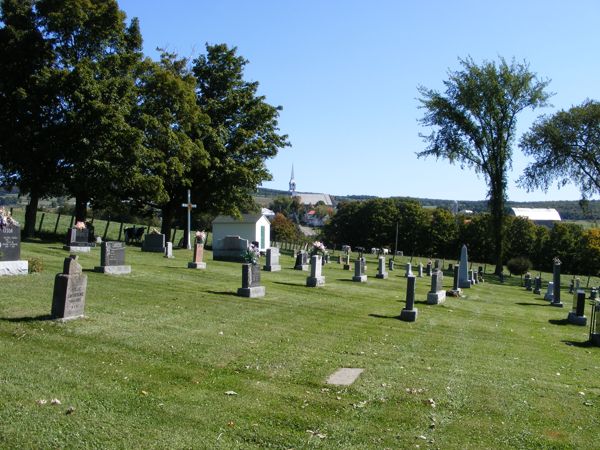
x: 56, y: 225
x: 41, y: 222
x: 106, y: 230
x: 120, y: 231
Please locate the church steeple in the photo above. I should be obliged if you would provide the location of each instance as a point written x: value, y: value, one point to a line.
x: 292, y: 183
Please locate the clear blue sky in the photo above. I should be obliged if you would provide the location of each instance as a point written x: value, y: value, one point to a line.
x: 346, y: 74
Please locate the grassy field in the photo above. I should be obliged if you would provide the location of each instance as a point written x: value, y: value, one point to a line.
x: 153, y: 362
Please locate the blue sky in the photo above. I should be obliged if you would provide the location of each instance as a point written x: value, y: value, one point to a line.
x: 346, y: 74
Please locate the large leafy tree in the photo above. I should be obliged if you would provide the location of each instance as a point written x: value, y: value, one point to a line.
x: 171, y: 123
x: 475, y: 122
x: 566, y: 149
x: 28, y: 107
x: 241, y: 135
x: 96, y: 57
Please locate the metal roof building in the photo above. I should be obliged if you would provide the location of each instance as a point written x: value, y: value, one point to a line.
x: 539, y: 216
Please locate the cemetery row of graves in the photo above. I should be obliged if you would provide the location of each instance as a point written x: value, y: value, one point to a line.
x: 339, y: 294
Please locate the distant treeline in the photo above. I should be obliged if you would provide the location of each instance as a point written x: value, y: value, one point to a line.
x: 568, y: 209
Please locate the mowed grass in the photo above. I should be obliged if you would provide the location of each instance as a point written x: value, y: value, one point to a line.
x: 152, y: 363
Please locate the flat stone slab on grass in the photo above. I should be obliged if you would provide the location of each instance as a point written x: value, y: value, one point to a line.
x: 345, y: 376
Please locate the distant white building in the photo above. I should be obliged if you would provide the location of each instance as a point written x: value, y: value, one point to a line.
x: 253, y: 227
x: 539, y: 216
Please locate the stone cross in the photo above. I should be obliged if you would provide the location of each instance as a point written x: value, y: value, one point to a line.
x: 189, y: 205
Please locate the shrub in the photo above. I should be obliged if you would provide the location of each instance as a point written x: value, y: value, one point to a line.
x: 518, y: 265
x: 35, y: 265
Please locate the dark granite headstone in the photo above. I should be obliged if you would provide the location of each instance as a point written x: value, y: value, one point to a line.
x: 251, y: 282
x: 68, y: 299
x: 272, y: 260
x: 112, y: 259
x: 409, y: 313
x: 154, y: 242
x: 301, y: 261
x: 10, y: 243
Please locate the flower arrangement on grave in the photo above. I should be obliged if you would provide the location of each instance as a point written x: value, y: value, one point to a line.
x: 79, y: 225
x: 318, y: 248
x: 200, y: 237
x: 6, y: 219
x: 251, y: 255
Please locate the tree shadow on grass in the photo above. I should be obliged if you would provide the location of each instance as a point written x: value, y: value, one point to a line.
x: 379, y: 316
x: 531, y: 304
x: 346, y: 280
x: 234, y: 294
x: 39, y: 318
x: 559, y: 321
x: 584, y: 344
x: 287, y: 284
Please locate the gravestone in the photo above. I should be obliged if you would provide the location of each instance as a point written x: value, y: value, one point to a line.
x: 473, y: 277
x: 339, y: 259
x: 10, y: 251
x: 251, y: 282
x: 437, y: 294
x: 556, y: 279
x: 154, y: 242
x: 78, y: 241
x: 527, y: 281
x: 325, y: 258
x: 391, y: 265
x: 359, y: 271
x: 549, y: 292
x: 381, y: 272
x: 68, y: 298
x: 301, y: 261
x: 572, y: 286
x: 408, y: 270
x: 198, y: 257
x: 272, y: 262
x: 463, y: 272
x: 420, y: 270
x: 595, y: 324
x: 315, y: 279
x: 593, y: 293
x: 112, y: 259
x: 169, y: 250
x: 455, y: 289
x: 537, y: 285
x: 577, y: 314
x: 429, y: 269
x: 346, y: 261
x: 409, y: 312
x: 437, y: 265
x: 230, y: 248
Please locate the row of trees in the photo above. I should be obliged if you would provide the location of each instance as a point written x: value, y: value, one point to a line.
x: 474, y: 123
x: 437, y: 233
x: 83, y: 113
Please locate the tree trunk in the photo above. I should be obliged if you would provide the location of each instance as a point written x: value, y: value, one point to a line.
x: 31, y: 214
x: 168, y: 214
x: 497, y: 216
x: 80, y: 208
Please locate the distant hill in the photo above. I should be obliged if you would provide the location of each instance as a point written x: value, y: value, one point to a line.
x: 568, y: 209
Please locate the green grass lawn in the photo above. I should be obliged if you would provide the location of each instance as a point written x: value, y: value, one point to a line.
x: 150, y: 365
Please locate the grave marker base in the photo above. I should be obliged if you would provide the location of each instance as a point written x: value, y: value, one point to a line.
x: 435, y: 298
x: 14, y: 268
x: 595, y: 339
x: 78, y: 248
x: 576, y: 320
x: 360, y: 279
x: 273, y: 268
x: 196, y: 265
x: 253, y: 292
x: 346, y: 266
x: 302, y: 267
x: 557, y: 304
x: 409, y: 315
x: 113, y: 270
x: 382, y: 276
x: 315, y: 281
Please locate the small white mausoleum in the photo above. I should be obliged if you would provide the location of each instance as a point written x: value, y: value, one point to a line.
x: 253, y: 227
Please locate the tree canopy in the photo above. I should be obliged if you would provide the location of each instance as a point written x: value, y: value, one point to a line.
x: 566, y: 149
x: 475, y: 121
